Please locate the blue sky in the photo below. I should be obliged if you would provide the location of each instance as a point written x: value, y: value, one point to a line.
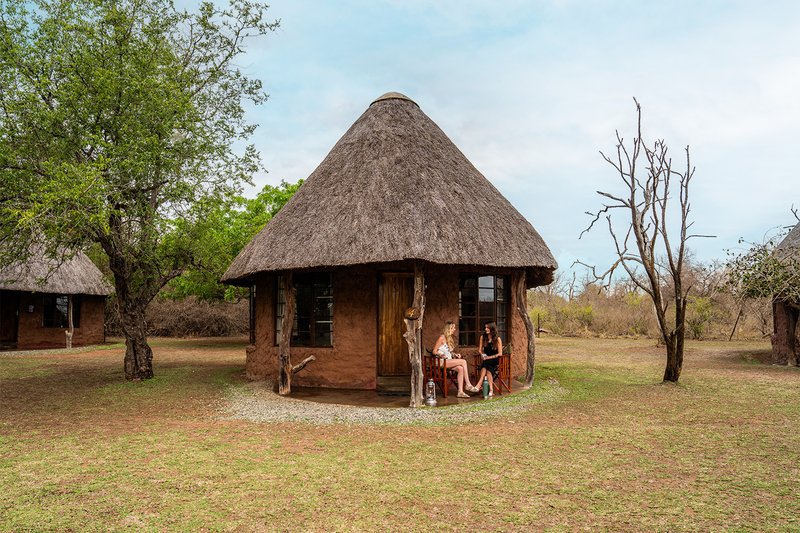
x: 532, y: 91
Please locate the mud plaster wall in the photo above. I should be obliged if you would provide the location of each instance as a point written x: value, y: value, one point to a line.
x: 786, y: 334
x: 351, y: 362
x: 31, y: 334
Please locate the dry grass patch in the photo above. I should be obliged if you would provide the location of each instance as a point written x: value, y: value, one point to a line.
x: 82, y: 449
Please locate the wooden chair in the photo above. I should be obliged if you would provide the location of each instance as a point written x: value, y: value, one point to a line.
x: 502, y: 376
x: 433, y: 368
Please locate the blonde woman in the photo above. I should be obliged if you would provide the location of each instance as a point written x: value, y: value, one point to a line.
x: 444, y: 347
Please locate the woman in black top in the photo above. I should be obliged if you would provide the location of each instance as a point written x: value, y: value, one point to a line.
x: 490, y: 347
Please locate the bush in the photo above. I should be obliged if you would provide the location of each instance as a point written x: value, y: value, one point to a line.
x: 188, y: 317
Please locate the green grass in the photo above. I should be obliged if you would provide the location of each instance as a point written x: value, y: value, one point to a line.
x: 599, y: 443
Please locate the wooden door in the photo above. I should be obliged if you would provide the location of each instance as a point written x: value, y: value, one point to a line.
x: 9, y: 317
x: 395, y: 295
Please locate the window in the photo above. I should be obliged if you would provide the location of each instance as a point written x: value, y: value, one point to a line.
x: 313, y: 321
x: 55, y: 309
x: 481, y: 299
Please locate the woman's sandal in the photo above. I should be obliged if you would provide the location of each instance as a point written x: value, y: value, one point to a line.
x: 462, y: 395
x: 473, y: 389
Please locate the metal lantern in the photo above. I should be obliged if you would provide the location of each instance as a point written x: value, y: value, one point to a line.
x: 430, y: 393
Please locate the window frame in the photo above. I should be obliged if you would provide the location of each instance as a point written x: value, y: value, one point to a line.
x: 52, y: 309
x: 317, y: 291
x: 501, y: 302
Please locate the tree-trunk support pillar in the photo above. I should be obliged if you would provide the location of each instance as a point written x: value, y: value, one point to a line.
x: 413, y: 336
x: 287, y: 323
x: 522, y: 308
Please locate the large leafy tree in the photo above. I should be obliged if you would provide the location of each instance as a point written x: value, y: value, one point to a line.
x: 119, y: 122
x: 226, y: 230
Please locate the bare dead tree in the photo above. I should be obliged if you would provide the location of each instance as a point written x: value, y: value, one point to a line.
x: 647, y: 252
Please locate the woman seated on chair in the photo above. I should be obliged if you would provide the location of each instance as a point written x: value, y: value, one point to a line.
x: 443, y: 348
x: 490, y: 347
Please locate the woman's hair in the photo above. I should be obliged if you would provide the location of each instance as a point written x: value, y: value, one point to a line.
x: 448, y: 335
x: 492, y: 331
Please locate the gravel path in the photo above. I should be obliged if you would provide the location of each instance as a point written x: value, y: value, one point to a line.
x: 256, y: 402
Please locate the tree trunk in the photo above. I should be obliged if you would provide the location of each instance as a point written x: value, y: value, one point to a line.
x: 138, y: 354
x: 674, y: 357
x: 413, y: 336
x: 284, y: 359
x: 522, y: 309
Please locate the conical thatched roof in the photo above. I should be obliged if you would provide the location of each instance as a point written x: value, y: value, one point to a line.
x: 77, y: 275
x: 394, y: 187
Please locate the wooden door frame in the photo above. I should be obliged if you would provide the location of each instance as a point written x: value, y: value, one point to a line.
x: 403, y: 380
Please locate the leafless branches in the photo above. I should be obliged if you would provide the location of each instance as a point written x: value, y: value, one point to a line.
x: 649, y: 254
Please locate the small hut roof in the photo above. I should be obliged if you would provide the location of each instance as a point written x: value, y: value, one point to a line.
x: 790, y: 245
x: 77, y: 275
x: 394, y: 187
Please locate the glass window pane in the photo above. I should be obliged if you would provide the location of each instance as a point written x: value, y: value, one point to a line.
x: 501, y: 310
x: 468, y: 309
x: 322, y: 338
x: 486, y: 312
x: 470, y: 339
x: 486, y: 282
x: 302, y: 338
x: 501, y: 282
x: 303, y: 323
x: 486, y: 295
x: 467, y: 295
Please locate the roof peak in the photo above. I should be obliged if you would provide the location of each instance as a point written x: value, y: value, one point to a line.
x: 394, y: 96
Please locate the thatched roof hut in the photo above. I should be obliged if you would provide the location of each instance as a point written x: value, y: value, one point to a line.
x: 786, y: 312
x: 37, y: 296
x: 790, y: 245
x: 393, y: 203
x: 395, y: 188
x: 77, y: 275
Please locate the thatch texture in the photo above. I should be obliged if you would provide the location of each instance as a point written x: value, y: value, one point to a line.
x: 790, y: 245
x: 393, y: 188
x: 77, y: 275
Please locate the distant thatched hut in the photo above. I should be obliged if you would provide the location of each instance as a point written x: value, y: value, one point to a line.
x: 392, y: 194
x: 35, y: 299
x: 785, y: 313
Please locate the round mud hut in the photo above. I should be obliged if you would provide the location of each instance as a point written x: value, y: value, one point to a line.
x: 38, y: 296
x: 786, y: 312
x: 393, y: 234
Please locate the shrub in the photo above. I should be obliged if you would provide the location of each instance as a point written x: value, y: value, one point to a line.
x: 188, y: 317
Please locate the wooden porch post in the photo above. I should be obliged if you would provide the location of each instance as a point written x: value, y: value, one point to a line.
x: 71, y: 329
x: 413, y: 336
x: 522, y: 309
x: 287, y: 323
x: 252, y: 308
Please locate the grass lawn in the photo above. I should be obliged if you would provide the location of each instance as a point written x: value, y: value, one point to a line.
x: 81, y: 449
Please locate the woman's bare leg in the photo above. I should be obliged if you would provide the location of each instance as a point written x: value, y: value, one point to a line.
x: 460, y: 366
